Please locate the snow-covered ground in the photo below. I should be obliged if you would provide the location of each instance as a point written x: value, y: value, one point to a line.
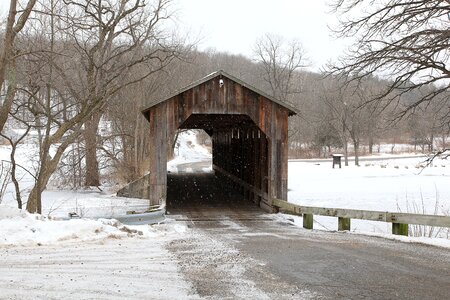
x: 18, y: 227
x: 187, y: 150
x: 86, y: 259
x: 392, y: 183
x: 92, y: 203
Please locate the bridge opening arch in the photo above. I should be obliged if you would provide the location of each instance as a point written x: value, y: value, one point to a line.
x: 240, y: 166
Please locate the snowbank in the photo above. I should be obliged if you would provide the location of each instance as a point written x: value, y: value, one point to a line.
x: 18, y: 227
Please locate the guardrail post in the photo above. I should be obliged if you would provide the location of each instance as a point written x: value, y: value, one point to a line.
x: 400, y: 229
x: 343, y: 224
x: 308, y: 221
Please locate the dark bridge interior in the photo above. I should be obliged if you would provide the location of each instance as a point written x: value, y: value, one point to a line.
x: 239, y: 149
x: 204, y: 196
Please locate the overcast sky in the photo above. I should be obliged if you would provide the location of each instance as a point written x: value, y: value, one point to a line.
x: 234, y: 25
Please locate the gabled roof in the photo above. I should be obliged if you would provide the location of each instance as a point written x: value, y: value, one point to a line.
x: 292, y: 110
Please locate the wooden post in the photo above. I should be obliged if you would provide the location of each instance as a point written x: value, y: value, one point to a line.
x: 308, y: 221
x: 343, y: 224
x: 400, y: 229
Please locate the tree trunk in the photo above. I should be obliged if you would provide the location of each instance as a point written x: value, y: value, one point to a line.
x: 5, y: 54
x: 48, y: 166
x: 34, y: 204
x: 346, y: 153
x: 371, y: 145
x: 14, y: 25
x: 431, y: 144
x: 34, y: 200
x: 90, y: 139
x: 14, y: 178
x: 356, y: 147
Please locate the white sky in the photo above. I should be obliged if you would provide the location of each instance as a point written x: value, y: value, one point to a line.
x: 234, y: 25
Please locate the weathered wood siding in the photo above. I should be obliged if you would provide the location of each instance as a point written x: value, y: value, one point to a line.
x: 254, y: 151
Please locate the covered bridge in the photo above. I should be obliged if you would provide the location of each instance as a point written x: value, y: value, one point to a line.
x: 248, y: 129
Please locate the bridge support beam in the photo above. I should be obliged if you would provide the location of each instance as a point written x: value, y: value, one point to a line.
x: 344, y: 224
x: 308, y: 221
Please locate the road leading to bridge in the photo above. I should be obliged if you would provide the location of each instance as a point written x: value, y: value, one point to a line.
x: 237, y: 251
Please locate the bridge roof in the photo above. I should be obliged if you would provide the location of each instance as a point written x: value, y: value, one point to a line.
x: 291, y: 109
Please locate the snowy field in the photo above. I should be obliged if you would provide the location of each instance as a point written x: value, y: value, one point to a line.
x: 385, y: 184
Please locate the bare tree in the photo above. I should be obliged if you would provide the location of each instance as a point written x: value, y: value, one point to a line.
x: 345, y: 112
x: 405, y: 41
x: 99, y: 49
x: 337, y: 113
x: 14, y: 24
x: 279, y: 61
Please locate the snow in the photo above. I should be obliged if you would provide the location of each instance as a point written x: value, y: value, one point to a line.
x: 43, y: 258
x: 384, y: 182
x: 390, y: 183
x: 18, y: 227
x: 92, y: 203
x: 377, y: 185
x: 89, y: 203
x: 187, y: 150
x: 85, y: 259
x: 135, y: 269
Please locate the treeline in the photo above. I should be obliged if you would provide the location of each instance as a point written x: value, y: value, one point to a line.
x: 76, y: 75
x: 332, y: 112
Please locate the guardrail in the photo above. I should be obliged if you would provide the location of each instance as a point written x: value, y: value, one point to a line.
x: 399, y: 221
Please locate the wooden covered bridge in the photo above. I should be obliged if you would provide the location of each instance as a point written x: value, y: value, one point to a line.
x: 248, y: 129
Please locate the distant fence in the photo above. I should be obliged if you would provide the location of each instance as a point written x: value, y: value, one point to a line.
x: 399, y: 221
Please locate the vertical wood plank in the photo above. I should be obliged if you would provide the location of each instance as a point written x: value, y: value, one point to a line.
x: 400, y: 229
x: 308, y: 221
x: 344, y: 224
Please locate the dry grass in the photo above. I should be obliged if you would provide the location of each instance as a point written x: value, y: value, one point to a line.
x: 416, y: 207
